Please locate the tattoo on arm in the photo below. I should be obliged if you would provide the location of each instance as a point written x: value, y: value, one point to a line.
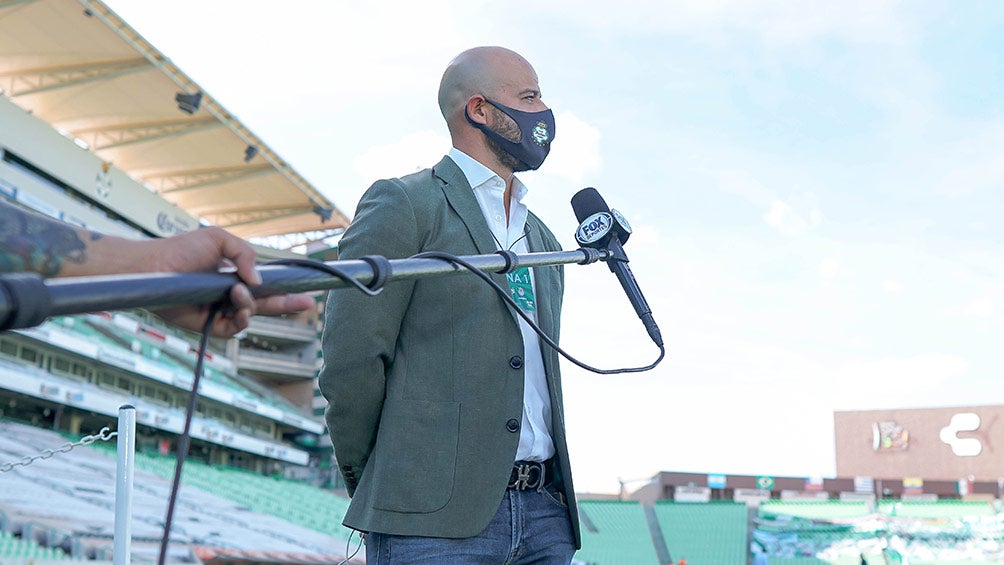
x: 31, y: 242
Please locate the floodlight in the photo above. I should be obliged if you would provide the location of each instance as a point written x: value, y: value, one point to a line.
x: 250, y: 153
x: 188, y: 103
x: 324, y: 213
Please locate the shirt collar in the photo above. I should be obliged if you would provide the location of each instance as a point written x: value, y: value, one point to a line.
x: 477, y: 174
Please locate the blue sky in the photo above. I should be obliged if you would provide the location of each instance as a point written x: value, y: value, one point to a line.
x: 815, y: 186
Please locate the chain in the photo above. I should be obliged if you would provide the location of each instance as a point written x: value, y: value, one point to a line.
x: 103, y: 435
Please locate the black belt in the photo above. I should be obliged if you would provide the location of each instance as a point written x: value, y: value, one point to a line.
x: 528, y: 475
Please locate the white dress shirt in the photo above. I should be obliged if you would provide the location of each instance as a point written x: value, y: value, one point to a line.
x: 535, y: 443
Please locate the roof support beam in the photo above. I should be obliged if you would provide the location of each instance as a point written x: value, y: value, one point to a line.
x: 53, y: 78
x: 233, y: 219
x: 291, y: 240
x: 120, y: 135
x: 178, y: 181
x: 9, y: 3
x: 228, y: 208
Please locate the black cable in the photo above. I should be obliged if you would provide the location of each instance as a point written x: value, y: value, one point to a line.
x: 381, y: 272
x: 348, y: 540
x: 512, y: 304
x: 511, y: 262
x: 185, y: 440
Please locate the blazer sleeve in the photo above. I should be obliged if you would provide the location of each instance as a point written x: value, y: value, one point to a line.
x: 360, y: 332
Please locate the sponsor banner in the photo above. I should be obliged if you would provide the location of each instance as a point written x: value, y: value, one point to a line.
x: 889, y: 436
x: 919, y: 497
x: 7, y: 189
x: 939, y: 444
x: 751, y: 496
x: 964, y: 486
x: 855, y: 496
x: 716, y: 481
x: 802, y: 495
x: 864, y: 484
x: 37, y: 204
x: 814, y: 484
x: 692, y: 494
x: 34, y: 382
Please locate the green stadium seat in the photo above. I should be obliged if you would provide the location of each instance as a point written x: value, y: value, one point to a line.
x: 618, y: 533
x: 713, y: 533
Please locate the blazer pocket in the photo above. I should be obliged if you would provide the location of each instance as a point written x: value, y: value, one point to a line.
x: 415, y: 457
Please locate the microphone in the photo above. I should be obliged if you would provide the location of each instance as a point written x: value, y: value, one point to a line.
x: 603, y: 228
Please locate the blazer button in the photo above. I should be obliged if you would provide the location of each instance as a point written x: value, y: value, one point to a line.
x: 512, y: 425
x: 516, y: 362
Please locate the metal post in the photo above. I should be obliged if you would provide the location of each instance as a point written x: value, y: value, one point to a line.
x: 124, y: 483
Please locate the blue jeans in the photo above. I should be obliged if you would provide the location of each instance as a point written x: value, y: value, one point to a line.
x: 529, y: 527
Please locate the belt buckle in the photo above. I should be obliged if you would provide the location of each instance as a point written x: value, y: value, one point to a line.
x: 524, y: 474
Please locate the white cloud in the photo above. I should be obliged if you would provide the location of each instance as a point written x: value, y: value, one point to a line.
x: 775, y: 22
x: 785, y: 219
x: 742, y: 183
x: 980, y: 308
x: 413, y: 152
x: 874, y: 383
x: 794, y: 214
x: 892, y: 286
x: 829, y: 268
x: 576, y: 154
x: 977, y: 164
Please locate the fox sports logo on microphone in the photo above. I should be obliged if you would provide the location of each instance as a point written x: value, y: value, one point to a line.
x: 594, y: 228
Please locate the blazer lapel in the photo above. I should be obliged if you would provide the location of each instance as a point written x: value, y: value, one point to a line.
x: 461, y: 198
x: 460, y: 195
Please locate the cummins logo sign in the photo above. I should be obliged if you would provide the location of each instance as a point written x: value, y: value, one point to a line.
x: 963, y: 447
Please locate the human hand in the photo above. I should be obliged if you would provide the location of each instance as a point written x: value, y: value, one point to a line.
x: 209, y: 249
x: 232, y: 321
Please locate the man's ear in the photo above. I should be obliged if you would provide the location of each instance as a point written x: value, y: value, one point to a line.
x: 476, y: 109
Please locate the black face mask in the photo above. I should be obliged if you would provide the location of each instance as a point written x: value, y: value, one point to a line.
x: 536, y: 129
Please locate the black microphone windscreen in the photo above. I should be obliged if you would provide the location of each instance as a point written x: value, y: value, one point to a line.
x: 587, y: 202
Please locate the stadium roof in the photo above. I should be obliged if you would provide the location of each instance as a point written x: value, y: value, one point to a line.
x: 82, y: 69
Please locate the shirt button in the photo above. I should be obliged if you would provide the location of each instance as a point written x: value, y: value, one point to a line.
x: 516, y: 362
x: 512, y: 425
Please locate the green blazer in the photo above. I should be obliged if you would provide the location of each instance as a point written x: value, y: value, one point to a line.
x: 422, y: 379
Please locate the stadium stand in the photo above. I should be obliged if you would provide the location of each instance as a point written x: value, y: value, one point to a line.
x: 827, y: 510
x: 704, y: 533
x: 296, y: 502
x: 13, y: 548
x: 937, y: 509
x: 945, y: 531
x: 67, y: 502
x: 615, y: 532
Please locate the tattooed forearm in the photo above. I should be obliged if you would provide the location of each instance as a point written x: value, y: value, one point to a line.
x: 31, y: 242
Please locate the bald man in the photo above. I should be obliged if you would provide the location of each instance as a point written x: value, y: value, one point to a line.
x: 445, y: 411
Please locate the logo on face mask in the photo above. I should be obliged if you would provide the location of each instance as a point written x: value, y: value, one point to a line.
x: 539, y: 134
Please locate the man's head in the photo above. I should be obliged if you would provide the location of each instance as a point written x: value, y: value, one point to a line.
x: 483, y: 93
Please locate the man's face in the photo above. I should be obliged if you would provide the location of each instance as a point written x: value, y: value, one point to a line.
x: 520, y: 90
